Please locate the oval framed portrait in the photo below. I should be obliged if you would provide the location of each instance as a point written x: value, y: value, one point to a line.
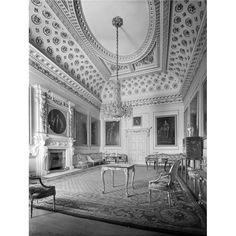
x: 57, y: 121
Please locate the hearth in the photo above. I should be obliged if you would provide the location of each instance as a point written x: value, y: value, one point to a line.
x: 56, y: 159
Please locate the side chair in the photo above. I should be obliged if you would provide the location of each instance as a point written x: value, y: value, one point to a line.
x: 165, y: 182
x: 38, y: 190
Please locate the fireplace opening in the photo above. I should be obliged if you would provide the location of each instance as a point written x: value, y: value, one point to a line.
x: 56, y: 160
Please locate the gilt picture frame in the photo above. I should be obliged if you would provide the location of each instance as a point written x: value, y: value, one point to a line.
x: 137, y: 121
x: 166, y: 130
x: 57, y: 121
x: 112, y: 133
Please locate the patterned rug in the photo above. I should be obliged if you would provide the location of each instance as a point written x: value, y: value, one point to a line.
x: 81, y: 195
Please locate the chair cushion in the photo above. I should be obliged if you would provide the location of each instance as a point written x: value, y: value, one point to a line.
x: 40, y: 192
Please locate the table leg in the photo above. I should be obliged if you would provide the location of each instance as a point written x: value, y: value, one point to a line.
x: 112, y: 173
x: 127, y: 181
x: 200, y: 191
x: 186, y: 170
x: 133, y: 174
x: 103, y: 181
x: 147, y: 165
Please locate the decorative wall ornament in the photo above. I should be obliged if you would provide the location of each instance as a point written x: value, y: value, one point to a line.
x: 43, y: 110
x: 149, y: 59
x: 36, y: 2
x: 56, y: 143
x: 137, y: 131
x: 36, y: 20
x: 47, y: 14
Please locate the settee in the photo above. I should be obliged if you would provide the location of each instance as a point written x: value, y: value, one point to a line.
x: 163, y: 159
x: 81, y: 160
x: 115, y: 158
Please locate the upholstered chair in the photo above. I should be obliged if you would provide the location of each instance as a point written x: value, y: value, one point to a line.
x: 165, y: 182
x: 38, y: 190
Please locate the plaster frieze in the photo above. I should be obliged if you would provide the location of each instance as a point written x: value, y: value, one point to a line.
x: 55, y: 142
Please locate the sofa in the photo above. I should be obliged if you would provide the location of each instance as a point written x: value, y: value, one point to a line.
x: 82, y: 160
x: 116, y: 158
x: 96, y: 158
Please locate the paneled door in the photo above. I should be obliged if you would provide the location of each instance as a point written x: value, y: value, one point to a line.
x: 137, y: 145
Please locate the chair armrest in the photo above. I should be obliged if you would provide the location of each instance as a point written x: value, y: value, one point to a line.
x: 162, y: 175
x: 40, y: 181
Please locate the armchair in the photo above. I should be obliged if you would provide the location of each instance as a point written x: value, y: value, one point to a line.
x: 165, y: 182
x: 38, y: 190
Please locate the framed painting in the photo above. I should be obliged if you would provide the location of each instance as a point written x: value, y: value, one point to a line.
x: 194, y: 119
x: 56, y: 121
x: 95, y: 126
x: 81, y: 136
x: 137, y: 121
x: 166, y: 130
x: 112, y: 131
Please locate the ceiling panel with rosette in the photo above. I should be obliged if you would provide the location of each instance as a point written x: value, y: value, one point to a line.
x: 160, y: 46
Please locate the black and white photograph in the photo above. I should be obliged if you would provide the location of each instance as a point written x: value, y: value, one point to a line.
x: 117, y: 117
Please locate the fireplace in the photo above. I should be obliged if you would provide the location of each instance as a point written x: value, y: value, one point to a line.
x: 56, y: 159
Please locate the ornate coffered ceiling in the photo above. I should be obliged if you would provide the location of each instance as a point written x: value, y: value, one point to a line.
x: 161, y: 44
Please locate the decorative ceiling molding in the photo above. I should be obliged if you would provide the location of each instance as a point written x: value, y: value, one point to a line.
x: 54, y: 73
x: 151, y: 85
x: 154, y: 8
x: 158, y: 35
x: 196, y: 58
x: 187, y: 19
x: 175, y: 45
x: 68, y: 19
x: 51, y: 38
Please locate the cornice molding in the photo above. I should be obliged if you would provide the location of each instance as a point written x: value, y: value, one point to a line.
x: 39, y: 62
x: 156, y: 100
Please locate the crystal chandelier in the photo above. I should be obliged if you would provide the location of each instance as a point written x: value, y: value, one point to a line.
x: 116, y: 108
